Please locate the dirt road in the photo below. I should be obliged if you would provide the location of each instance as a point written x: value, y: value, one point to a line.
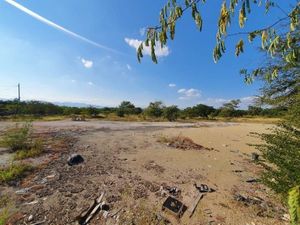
x: 135, y: 168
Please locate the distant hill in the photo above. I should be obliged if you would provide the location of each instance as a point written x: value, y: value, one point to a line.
x: 76, y: 104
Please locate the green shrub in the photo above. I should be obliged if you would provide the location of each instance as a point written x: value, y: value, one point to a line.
x: 13, y: 172
x: 282, y: 150
x: 18, y: 138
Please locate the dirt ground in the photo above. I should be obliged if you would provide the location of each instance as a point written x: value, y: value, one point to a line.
x: 136, y: 169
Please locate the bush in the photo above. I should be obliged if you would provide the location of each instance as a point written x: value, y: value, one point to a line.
x: 18, y: 138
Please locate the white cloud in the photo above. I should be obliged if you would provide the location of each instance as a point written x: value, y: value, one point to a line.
x: 128, y: 67
x: 90, y: 83
x: 187, y: 94
x: 142, y: 31
x: 160, y: 52
x: 87, y: 63
x: 73, y: 81
x: 172, y: 85
x: 58, y: 27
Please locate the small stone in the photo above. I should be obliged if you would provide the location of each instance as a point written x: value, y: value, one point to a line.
x: 30, y: 218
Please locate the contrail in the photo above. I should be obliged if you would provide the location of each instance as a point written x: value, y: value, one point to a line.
x: 56, y: 26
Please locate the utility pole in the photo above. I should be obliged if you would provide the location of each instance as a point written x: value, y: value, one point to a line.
x: 19, y: 92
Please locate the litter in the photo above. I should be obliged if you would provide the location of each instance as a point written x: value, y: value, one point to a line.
x: 203, y: 188
x: 174, y: 206
x: 248, y: 200
x: 75, y: 159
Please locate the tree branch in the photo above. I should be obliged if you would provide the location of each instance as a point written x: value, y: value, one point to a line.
x: 263, y: 29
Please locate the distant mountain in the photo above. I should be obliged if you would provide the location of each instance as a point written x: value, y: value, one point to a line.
x: 76, y: 104
x: 69, y: 104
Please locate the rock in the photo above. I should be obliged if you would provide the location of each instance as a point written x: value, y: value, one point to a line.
x: 75, y: 159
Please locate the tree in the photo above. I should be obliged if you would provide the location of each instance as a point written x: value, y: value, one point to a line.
x: 171, y: 113
x: 173, y: 11
x: 126, y: 108
x: 254, y: 110
x: 229, y: 108
x: 155, y: 109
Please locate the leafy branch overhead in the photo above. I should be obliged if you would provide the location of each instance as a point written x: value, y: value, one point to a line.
x: 270, y: 38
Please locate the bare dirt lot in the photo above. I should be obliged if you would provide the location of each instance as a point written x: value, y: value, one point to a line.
x: 137, y: 167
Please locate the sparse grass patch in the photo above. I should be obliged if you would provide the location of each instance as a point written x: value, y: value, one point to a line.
x: 17, y: 138
x: 4, y: 209
x: 35, y: 151
x: 13, y: 172
x: 4, y: 216
x: 142, y: 214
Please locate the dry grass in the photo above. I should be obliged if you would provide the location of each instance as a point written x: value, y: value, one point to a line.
x: 143, y: 214
x: 180, y: 142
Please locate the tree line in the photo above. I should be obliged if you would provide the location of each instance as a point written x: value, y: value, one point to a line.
x: 154, y: 110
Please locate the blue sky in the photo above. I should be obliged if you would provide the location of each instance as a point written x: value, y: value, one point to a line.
x: 52, y: 65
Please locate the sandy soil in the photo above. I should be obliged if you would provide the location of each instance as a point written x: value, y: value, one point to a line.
x: 129, y: 163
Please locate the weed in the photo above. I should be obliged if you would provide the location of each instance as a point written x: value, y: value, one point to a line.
x: 13, y: 172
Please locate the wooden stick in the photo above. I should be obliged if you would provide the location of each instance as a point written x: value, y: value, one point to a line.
x: 193, y: 208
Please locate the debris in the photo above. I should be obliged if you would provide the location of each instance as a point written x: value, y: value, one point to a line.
x: 75, y: 159
x: 252, y: 180
x: 167, y: 190
x: 162, y: 219
x: 85, y: 217
x: 184, y: 143
x: 39, y: 222
x: 195, y: 204
x: 78, y: 118
x: 203, y: 188
x: 30, y: 218
x: 31, y: 203
x: 151, y: 165
x: 116, y: 213
x: 286, y: 217
x: 174, y: 206
x: 248, y: 200
x: 255, y: 156
x: 22, y: 191
x: 140, y: 192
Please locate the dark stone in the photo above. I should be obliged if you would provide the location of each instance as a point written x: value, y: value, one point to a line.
x: 75, y: 159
